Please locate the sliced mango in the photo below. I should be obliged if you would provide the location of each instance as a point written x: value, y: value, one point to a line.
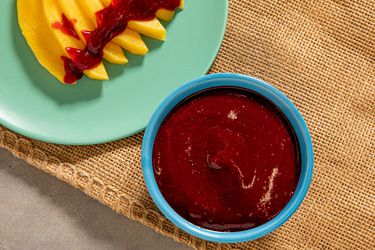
x: 165, y: 15
x: 33, y: 24
x: 152, y: 28
x: 112, y: 53
x: 129, y: 40
x: 90, y: 7
x: 106, y: 3
x: 132, y: 42
x: 52, y: 13
x: 36, y: 18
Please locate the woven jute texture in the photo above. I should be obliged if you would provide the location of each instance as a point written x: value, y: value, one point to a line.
x: 321, y: 53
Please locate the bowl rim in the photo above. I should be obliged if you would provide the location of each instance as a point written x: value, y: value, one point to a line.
x: 258, y: 86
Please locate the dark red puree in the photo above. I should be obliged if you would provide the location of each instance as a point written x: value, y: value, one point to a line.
x: 112, y: 21
x: 226, y: 160
x: 66, y: 26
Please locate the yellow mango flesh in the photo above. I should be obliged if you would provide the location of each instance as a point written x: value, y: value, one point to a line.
x: 132, y: 42
x: 167, y: 15
x: 52, y: 14
x: 113, y: 51
x: 71, y: 9
x: 129, y: 40
x: 48, y: 44
x: 152, y: 28
x: 32, y: 23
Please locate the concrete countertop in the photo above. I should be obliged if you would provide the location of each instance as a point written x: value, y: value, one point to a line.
x: 37, y: 211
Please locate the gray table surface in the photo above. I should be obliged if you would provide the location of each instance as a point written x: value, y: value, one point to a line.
x: 37, y: 211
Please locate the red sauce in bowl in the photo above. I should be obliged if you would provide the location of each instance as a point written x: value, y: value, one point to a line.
x: 226, y: 160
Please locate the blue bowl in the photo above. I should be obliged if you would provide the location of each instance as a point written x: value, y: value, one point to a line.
x: 278, y: 99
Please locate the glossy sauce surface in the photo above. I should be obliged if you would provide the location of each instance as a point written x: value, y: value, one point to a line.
x: 226, y: 160
x: 112, y: 21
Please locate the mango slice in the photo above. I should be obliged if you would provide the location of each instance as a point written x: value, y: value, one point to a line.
x: 129, y: 40
x: 32, y: 23
x: 132, y: 42
x: 52, y: 13
x: 152, y: 28
x: 168, y: 15
x: 112, y: 53
x: 48, y: 43
x: 165, y: 15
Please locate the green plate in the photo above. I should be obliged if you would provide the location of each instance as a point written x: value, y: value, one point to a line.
x: 36, y: 105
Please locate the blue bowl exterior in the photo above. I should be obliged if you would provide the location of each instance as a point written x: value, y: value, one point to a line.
x: 264, y: 89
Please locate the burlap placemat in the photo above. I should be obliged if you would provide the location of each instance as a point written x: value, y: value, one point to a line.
x: 321, y: 53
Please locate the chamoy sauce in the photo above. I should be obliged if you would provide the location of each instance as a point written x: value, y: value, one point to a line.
x: 226, y: 160
x: 111, y: 21
x: 66, y: 26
